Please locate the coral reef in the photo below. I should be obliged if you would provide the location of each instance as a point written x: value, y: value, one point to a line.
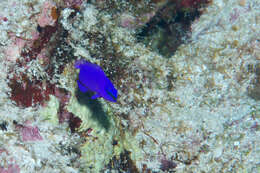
x: 186, y: 71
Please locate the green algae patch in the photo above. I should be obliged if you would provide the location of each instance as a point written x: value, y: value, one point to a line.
x: 50, y: 111
x: 92, y: 114
x: 97, y: 152
x: 131, y: 144
x: 105, y: 141
x: 127, y: 144
x: 97, y: 149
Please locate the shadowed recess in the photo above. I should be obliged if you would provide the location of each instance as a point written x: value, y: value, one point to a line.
x: 171, y: 26
x: 123, y: 163
x: 97, y: 111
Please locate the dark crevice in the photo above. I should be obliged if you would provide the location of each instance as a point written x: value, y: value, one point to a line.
x: 170, y: 27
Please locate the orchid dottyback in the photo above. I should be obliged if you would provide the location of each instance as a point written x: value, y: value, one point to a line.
x: 92, y: 78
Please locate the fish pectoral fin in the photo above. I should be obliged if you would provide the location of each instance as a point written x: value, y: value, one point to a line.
x: 82, y: 88
x: 111, y: 94
x: 95, y: 96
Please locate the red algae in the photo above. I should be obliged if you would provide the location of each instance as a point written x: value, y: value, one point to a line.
x: 74, y: 123
x: 28, y: 93
x: 40, y: 43
x: 11, y: 166
x: 193, y: 3
x: 73, y: 3
x: 30, y: 133
x: 63, y: 114
x: 48, y: 15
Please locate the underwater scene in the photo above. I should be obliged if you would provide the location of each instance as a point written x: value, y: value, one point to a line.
x: 130, y: 86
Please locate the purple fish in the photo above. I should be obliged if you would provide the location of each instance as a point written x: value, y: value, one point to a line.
x: 93, y: 78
